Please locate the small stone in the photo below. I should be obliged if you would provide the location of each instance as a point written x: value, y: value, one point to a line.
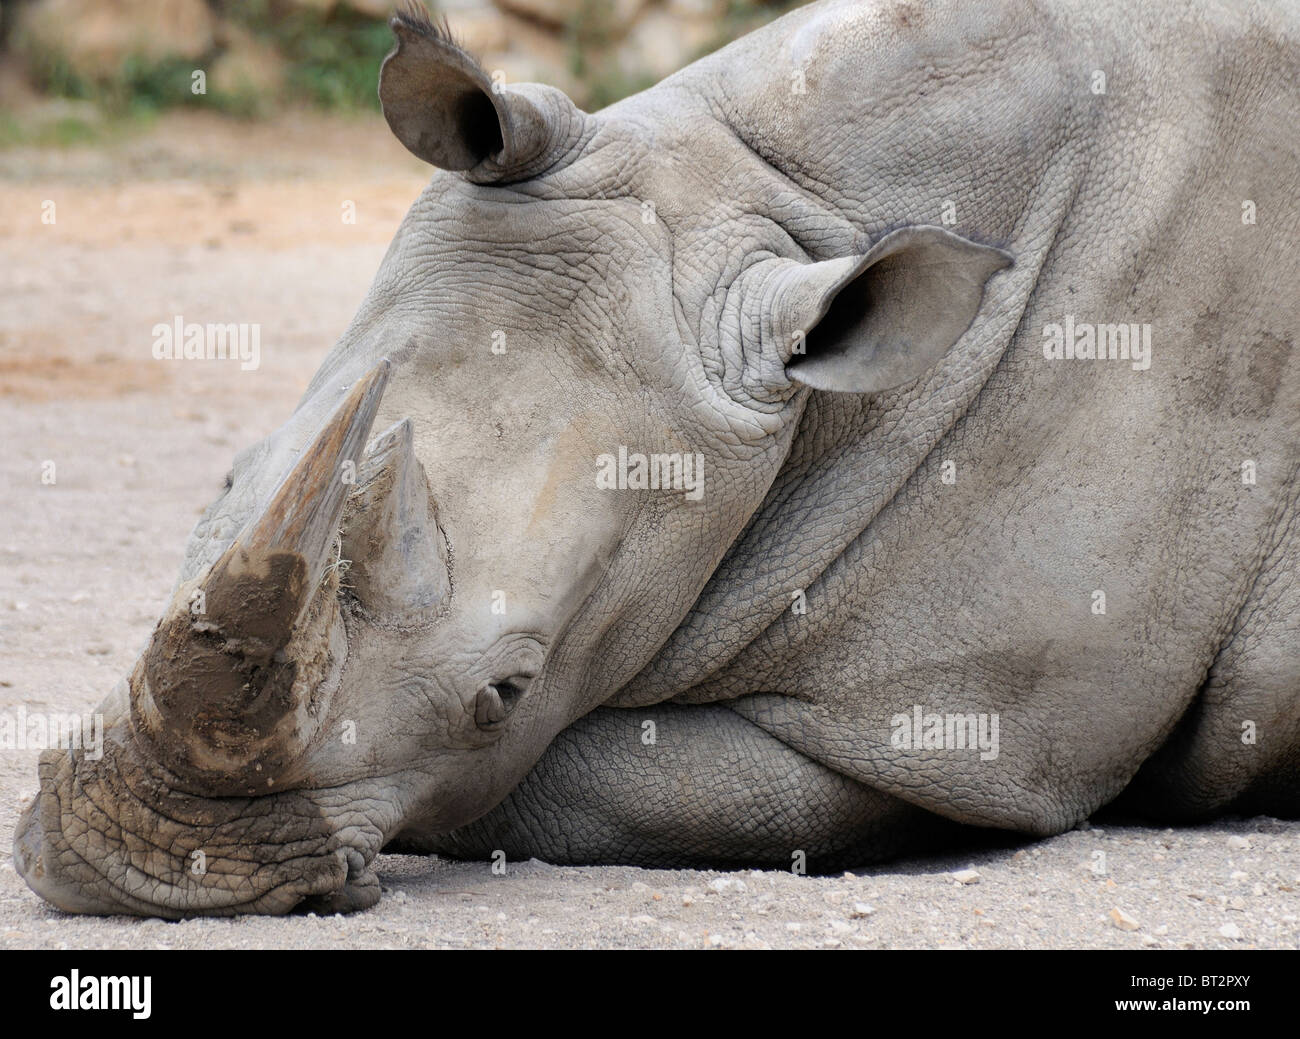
x: 1238, y: 843
x: 841, y: 927
x: 1238, y: 875
x: 724, y: 884
x: 687, y: 900
x: 966, y: 876
x: 1231, y: 931
x: 1122, y: 920
x: 861, y: 910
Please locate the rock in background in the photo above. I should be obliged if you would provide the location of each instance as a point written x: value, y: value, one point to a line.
x: 254, y: 53
x: 96, y: 37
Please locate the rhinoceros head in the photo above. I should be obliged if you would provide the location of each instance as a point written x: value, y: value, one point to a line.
x: 510, y: 480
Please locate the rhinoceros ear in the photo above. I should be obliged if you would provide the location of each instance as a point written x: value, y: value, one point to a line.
x: 444, y: 107
x: 866, y: 324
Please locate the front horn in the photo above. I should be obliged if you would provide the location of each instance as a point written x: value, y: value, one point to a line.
x: 223, y: 693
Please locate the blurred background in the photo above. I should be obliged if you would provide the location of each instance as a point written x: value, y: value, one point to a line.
x: 102, y: 61
x: 218, y: 162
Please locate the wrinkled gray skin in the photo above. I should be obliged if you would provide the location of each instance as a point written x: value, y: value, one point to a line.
x: 673, y: 331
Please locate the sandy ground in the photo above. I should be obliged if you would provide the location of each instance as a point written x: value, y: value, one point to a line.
x: 230, y: 223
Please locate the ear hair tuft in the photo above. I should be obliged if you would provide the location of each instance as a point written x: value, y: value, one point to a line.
x: 445, y: 108
x: 413, y: 15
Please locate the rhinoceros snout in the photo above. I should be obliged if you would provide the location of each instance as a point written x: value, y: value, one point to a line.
x: 175, y: 855
x: 32, y: 860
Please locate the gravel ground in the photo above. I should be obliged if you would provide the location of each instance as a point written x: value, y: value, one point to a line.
x: 1232, y: 885
x: 242, y: 223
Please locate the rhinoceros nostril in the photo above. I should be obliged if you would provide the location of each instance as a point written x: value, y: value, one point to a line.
x: 496, y: 700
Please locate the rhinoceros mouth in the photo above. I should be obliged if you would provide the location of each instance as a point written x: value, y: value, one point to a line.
x: 109, y: 836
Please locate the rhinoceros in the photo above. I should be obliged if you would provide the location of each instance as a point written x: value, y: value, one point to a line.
x: 883, y: 431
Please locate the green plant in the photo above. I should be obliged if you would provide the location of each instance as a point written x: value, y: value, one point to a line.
x: 333, y: 58
x: 742, y: 16
x: 62, y: 132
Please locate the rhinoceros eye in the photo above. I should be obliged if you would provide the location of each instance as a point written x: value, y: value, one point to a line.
x: 511, y: 690
x: 497, y: 699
